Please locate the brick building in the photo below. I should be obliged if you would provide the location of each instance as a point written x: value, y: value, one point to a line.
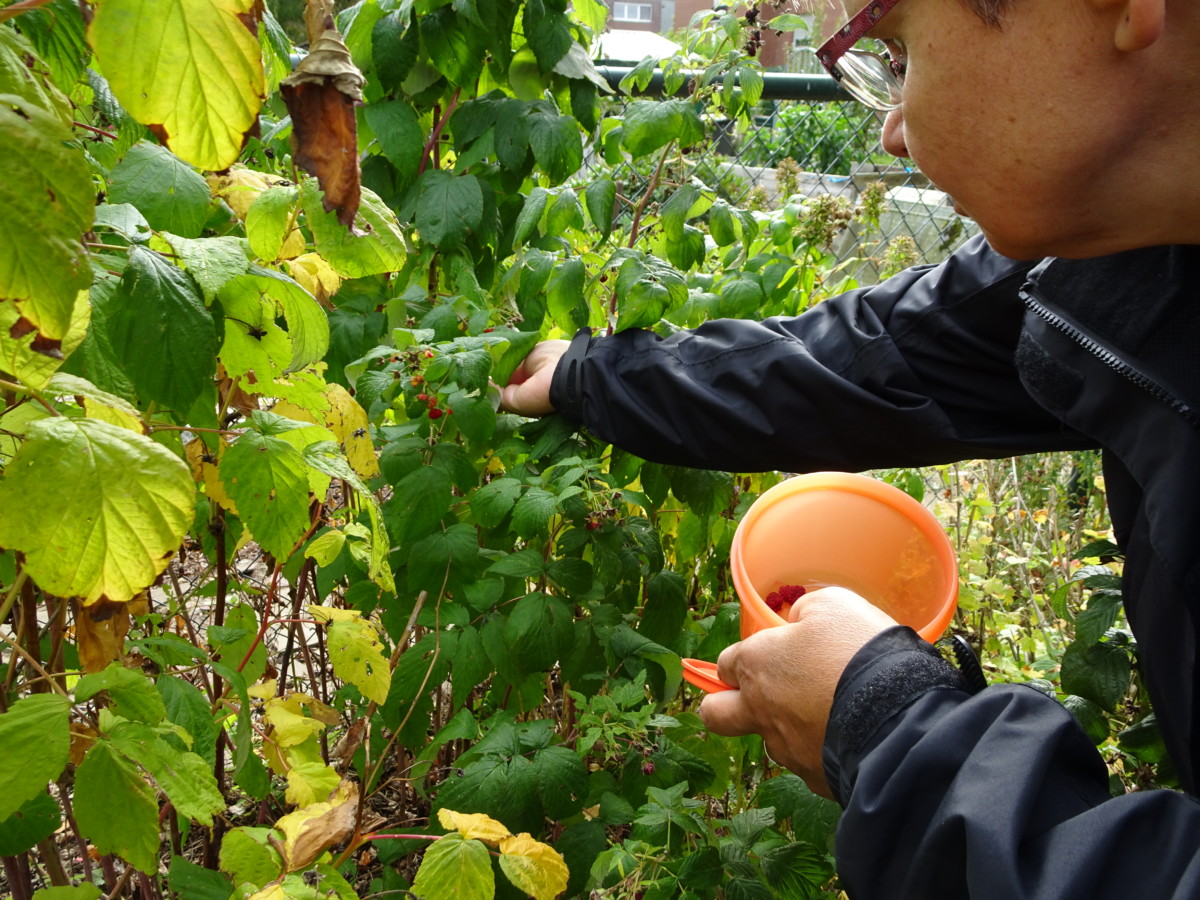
x: 664, y: 16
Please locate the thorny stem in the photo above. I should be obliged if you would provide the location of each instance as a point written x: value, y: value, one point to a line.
x: 95, y: 130
x: 436, y: 135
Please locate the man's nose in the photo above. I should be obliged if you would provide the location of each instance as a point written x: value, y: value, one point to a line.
x: 892, y: 138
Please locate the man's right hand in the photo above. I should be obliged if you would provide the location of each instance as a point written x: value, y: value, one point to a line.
x: 528, y: 390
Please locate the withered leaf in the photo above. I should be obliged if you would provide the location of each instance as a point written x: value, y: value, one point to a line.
x: 321, y: 94
x: 100, y: 630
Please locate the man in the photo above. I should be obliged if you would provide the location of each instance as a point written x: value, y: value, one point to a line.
x: 1068, y: 130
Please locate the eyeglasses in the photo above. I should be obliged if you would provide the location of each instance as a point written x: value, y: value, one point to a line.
x: 871, y: 78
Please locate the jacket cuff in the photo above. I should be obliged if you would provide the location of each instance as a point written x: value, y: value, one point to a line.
x: 882, y: 679
x: 566, y: 385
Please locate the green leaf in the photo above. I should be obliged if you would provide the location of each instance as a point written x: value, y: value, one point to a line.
x: 530, y: 216
x: 189, y: 69
x: 562, y: 781
x: 270, y: 219
x: 539, y: 630
x: 418, y: 503
x: 400, y: 136
x: 548, y: 31
x: 267, y: 480
x: 186, y: 778
x: 557, y: 144
x: 526, y: 563
x: 115, y: 808
x: 573, y: 575
x: 308, y: 326
x: 34, y: 821
x: 1099, y: 673
x: 1089, y: 715
x: 82, y: 892
x: 564, y: 295
x: 210, y: 261
x: 132, y: 693
x: 442, y: 555
x: 448, y: 207
x: 235, y: 639
x: 35, y: 741
x: 186, y: 879
x: 652, y: 124
x: 56, y: 31
x: 741, y: 294
x: 112, y: 507
x: 187, y: 707
x: 248, y: 857
x: 1144, y: 740
x: 355, y: 254
x: 394, y: 49
x: 357, y: 657
x: 455, y: 868
x: 531, y: 514
x: 451, y: 47
x: 157, y: 306
x: 796, y: 870
x: 470, y: 665
x: 600, y: 197
x: 47, y: 182
x: 171, y: 194
x: 1093, y: 622
x: 495, y: 500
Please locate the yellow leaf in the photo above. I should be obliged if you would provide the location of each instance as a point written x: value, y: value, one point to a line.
x: 474, y: 825
x: 536, y: 868
x: 349, y: 422
x: 264, y: 690
x: 240, y: 187
x: 203, y: 463
x: 270, y: 892
x: 309, y: 781
x: 309, y: 832
x: 326, y: 614
x: 190, y: 70
x: 289, y: 721
x: 313, y: 273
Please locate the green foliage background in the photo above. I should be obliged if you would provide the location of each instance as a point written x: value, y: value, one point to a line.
x: 458, y: 609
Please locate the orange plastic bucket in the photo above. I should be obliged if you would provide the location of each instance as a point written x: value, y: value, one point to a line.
x: 837, y: 528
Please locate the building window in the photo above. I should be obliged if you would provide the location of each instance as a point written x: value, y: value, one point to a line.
x: 632, y: 12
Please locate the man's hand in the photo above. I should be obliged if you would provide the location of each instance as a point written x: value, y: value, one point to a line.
x: 528, y: 390
x: 786, y: 678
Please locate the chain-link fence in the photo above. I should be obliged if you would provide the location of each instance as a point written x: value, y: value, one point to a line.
x: 808, y: 138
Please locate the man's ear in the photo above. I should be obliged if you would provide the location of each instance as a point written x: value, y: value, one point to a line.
x: 1139, y: 22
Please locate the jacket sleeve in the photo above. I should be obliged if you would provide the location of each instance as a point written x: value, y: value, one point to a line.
x: 996, y: 796
x: 914, y: 371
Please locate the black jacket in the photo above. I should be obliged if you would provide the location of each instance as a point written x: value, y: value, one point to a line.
x: 996, y: 795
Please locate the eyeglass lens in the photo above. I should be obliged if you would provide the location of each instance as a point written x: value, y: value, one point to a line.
x: 870, y: 79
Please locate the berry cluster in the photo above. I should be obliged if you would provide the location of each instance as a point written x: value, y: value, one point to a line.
x: 435, y: 411
x: 787, y: 594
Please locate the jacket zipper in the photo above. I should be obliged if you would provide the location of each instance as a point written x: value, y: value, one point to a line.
x: 1111, y: 359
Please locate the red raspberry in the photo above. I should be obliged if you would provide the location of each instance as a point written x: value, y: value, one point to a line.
x: 774, y: 600
x: 435, y: 413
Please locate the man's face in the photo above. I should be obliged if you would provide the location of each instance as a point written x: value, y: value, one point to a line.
x: 1015, y: 123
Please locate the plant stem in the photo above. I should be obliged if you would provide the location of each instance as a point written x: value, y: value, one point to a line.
x: 95, y: 130
x: 11, y: 597
x: 29, y: 392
